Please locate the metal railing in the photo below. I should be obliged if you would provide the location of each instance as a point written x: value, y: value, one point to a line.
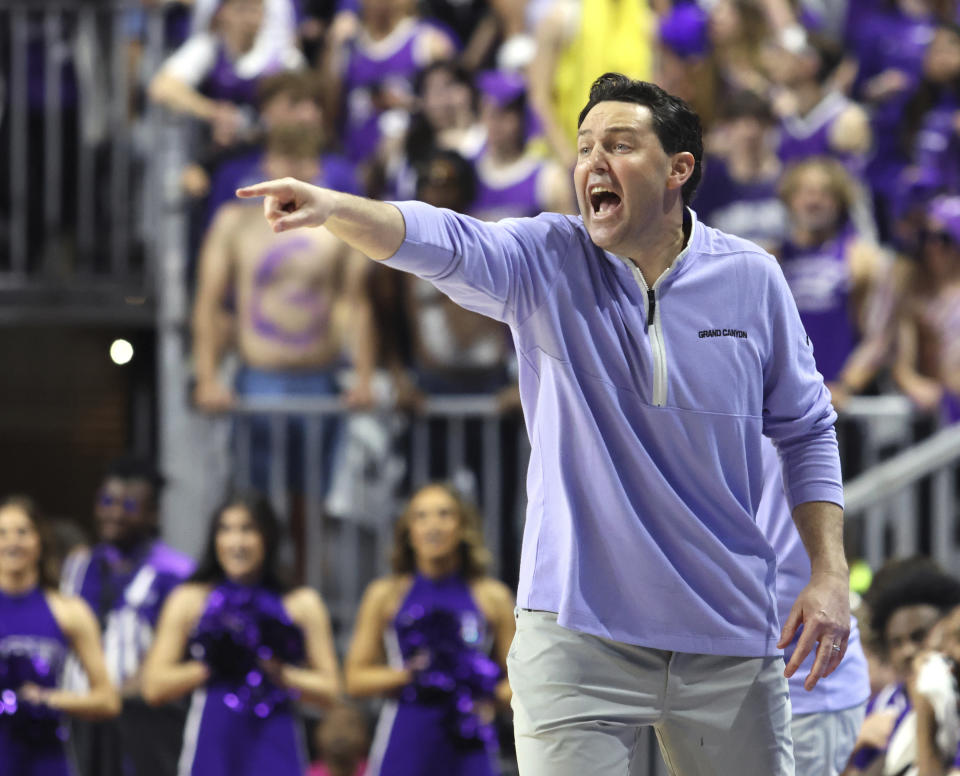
x: 385, y: 455
x: 380, y: 457
x: 74, y: 207
x: 887, y: 497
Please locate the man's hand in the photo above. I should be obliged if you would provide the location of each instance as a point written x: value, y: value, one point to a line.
x: 227, y: 123
x: 290, y: 204
x: 213, y: 396
x: 359, y: 396
x: 823, y: 608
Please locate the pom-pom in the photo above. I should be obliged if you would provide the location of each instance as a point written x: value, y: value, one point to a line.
x: 35, y: 724
x: 457, y: 674
x: 241, y: 628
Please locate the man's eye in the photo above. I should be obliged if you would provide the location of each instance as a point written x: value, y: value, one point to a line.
x: 584, y: 150
x: 621, y: 147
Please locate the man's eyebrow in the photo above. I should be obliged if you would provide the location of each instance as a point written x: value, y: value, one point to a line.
x: 629, y: 128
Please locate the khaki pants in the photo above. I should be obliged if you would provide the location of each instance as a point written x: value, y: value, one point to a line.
x: 822, y: 742
x: 580, y: 701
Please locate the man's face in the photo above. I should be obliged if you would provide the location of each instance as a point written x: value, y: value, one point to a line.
x: 941, y: 63
x: 504, y: 126
x: 241, y: 18
x: 905, y: 632
x: 285, y: 109
x: 124, y: 511
x: 621, y: 176
x: 747, y: 132
x: 950, y: 638
x: 813, y: 203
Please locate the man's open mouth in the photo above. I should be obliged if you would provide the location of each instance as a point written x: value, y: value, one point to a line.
x: 603, y: 200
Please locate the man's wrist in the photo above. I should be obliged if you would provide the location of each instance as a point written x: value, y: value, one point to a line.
x: 838, y: 569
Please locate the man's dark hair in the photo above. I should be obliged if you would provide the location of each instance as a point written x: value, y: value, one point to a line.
x: 911, y: 584
x: 744, y: 104
x: 676, y: 124
x: 132, y: 467
x: 297, y: 84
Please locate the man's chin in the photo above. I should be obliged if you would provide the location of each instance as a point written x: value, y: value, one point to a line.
x: 603, y: 239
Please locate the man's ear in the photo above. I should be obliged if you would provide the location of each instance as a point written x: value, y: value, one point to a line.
x: 681, y: 168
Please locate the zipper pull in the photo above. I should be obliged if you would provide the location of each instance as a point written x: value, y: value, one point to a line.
x: 651, y: 307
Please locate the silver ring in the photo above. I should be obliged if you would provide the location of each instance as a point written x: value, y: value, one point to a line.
x: 836, y: 647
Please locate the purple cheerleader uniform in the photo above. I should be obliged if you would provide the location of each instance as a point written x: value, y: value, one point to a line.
x: 426, y: 730
x: 243, y: 728
x: 32, y: 649
x: 802, y: 137
x: 374, y: 66
x: 820, y: 280
x: 508, y: 193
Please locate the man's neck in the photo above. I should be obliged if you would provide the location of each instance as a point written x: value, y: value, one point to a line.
x: 278, y: 168
x: 134, y: 549
x: 662, y: 248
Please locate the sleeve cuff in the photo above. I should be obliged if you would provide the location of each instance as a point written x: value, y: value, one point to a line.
x: 421, y: 252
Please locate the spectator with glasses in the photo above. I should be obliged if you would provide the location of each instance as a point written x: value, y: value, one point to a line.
x: 125, y: 578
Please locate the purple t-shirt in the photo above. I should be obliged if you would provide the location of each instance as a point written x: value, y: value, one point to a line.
x: 886, y: 39
x: 891, y: 697
x: 645, y: 469
x: 821, y: 282
x: 246, y: 169
x: 751, y: 210
x: 849, y: 684
x: 936, y: 150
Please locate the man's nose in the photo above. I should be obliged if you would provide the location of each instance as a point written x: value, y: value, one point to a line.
x: 597, y: 159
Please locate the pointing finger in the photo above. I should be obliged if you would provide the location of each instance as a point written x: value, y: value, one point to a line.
x: 275, y: 188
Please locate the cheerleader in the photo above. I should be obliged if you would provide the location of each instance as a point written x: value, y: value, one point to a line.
x: 422, y: 639
x: 246, y: 646
x: 38, y: 628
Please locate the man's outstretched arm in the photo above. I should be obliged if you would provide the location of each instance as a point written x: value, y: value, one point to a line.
x: 823, y: 606
x: 374, y: 228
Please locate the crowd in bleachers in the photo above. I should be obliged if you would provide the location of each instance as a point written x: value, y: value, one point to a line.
x: 832, y: 135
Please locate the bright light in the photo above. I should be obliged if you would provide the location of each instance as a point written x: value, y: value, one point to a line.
x: 121, y: 352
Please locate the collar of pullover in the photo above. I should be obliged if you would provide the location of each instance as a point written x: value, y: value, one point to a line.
x: 679, y: 264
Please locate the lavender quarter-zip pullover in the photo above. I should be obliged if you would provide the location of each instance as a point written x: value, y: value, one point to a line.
x: 645, y: 409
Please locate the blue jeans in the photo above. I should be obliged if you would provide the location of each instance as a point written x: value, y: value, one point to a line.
x: 252, y: 382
